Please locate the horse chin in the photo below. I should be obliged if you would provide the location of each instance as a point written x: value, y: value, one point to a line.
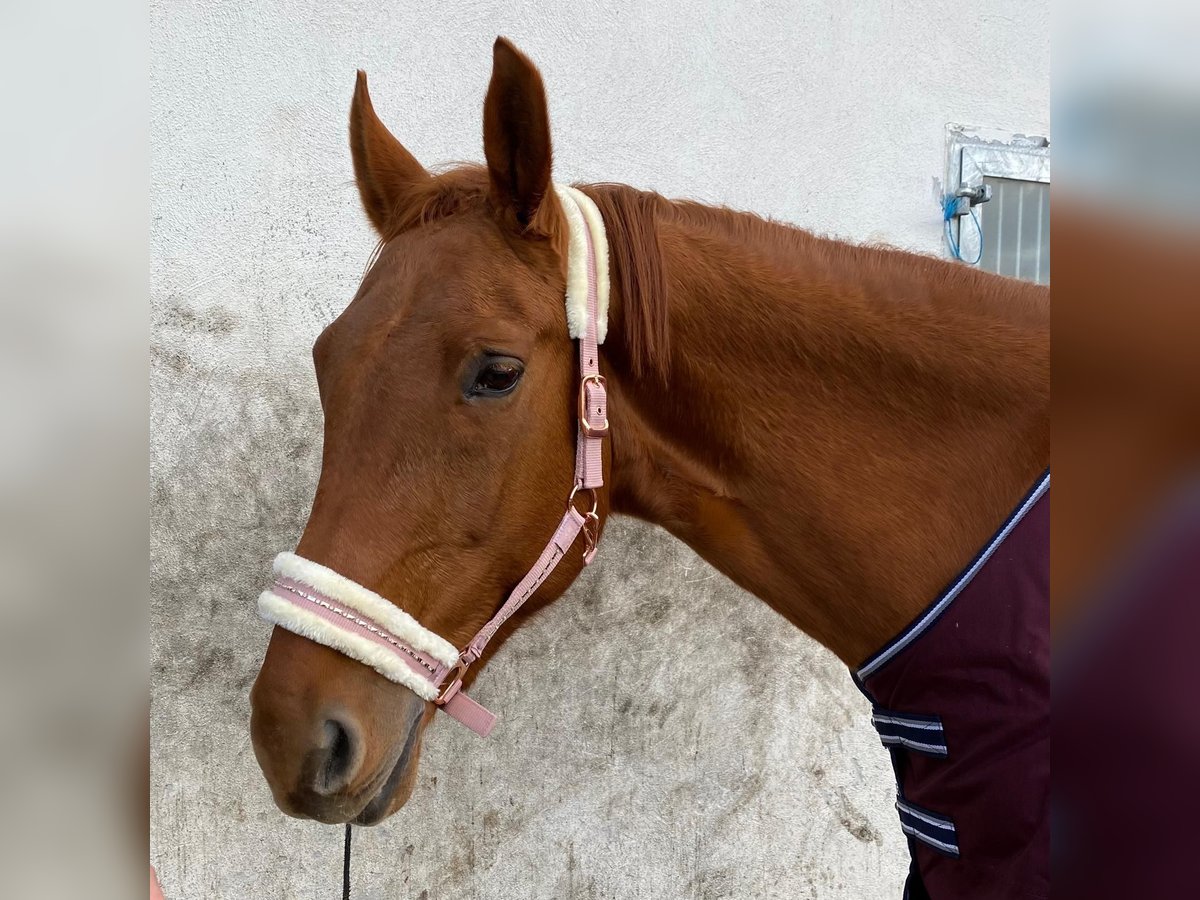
x: 398, y: 787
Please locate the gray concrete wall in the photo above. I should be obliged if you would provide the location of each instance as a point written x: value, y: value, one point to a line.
x: 619, y: 769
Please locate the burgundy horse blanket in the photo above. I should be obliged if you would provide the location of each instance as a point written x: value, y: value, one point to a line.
x: 961, y: 699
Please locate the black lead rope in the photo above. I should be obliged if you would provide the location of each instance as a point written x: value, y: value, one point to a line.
x: 346, y: 867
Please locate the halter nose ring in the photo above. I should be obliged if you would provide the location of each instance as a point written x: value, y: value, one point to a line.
x: 453, y: 683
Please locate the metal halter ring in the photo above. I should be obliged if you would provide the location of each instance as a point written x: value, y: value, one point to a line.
x: 591, y: 513
x: 453, y: 682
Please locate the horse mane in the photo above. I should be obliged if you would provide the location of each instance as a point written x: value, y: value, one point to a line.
x: 632, y: 220
x: 887, y: 288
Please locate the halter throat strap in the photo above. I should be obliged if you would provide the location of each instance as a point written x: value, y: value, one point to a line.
x: 318, y: 603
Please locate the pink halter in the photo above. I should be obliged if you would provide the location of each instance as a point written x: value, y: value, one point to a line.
x: 324, y: 606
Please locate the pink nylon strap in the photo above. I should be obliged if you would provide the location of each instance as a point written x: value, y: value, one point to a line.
x: 589, y: 475
x: 593, y: 411
x: 463, y: 709
x: 568, y: 529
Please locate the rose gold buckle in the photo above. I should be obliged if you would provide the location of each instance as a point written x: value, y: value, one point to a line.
x: 454, y: 682
x: 585, y: 425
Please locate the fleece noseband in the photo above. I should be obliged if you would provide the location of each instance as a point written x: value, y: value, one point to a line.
x: 316, y: 602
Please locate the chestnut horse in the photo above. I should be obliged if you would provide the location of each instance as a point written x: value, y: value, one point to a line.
x: 836, y: 428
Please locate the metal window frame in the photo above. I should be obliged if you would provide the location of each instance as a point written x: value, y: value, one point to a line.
x: 973, y: 154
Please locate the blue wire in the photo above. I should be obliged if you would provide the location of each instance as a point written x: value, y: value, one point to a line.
x: 949, y: 204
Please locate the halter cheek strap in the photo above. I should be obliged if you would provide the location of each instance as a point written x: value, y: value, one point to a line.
x: 316, y: 602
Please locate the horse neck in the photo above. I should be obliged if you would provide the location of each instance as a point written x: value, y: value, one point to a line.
x: 841, y: 428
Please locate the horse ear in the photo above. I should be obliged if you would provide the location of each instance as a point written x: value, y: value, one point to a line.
x: 386, y: 173
x: 516, y: 141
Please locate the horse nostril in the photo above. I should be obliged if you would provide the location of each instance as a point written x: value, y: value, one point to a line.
x: 341, y: 756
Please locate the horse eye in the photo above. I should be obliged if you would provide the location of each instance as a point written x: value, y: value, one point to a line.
x: 498, y: 377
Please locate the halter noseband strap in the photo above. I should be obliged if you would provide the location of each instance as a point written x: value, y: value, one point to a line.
x: 318, y: 603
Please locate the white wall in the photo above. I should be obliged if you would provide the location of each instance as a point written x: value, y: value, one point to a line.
x: 823, y: 113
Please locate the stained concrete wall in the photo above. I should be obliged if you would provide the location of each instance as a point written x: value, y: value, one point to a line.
x: 621, y: 767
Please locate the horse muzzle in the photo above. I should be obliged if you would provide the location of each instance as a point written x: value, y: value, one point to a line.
x: 336, y: 742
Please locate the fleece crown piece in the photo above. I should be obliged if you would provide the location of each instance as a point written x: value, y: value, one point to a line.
x: 584, y: 222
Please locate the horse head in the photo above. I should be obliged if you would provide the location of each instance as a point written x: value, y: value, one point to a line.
x: 449, y: 395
